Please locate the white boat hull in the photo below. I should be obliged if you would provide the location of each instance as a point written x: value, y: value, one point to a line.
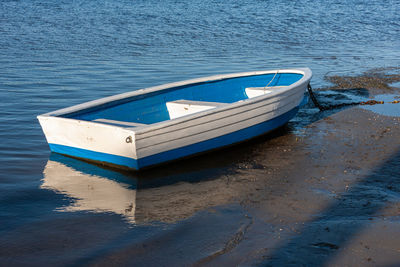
x: 151, y: 144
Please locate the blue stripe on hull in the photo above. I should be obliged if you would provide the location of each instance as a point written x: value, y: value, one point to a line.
x: 93, y: 155
x: 217, y: 142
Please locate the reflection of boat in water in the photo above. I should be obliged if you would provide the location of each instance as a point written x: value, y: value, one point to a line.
x: 139, y: 200
x: 90, y: 192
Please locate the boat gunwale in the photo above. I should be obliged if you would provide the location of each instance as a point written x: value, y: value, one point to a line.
x: 211, y: 112
x: 139, y: 148
x: 306, y: 72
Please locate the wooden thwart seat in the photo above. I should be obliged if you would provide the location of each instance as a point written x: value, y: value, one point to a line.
x: 119, y: 123
x: 180, y: 108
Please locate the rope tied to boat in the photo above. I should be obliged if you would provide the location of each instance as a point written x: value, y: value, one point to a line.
x: 314, y: 99
x: 330, y: 107
x: 273, y: 78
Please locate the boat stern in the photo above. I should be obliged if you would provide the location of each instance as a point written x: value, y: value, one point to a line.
x: 104, y: 144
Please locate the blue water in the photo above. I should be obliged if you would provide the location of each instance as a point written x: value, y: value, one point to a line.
x: 55, y: 54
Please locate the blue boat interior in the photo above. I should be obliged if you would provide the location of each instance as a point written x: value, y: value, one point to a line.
x: 152, y: 107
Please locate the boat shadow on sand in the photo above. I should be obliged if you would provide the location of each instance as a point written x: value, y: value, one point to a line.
x: 156, y: 195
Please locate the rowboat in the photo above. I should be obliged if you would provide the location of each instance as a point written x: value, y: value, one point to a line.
x: 150, y: 126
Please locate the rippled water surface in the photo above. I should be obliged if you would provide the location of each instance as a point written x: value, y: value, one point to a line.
x: 55, y: 54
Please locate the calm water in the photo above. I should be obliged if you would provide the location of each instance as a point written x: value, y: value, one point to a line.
x: 56, y: 53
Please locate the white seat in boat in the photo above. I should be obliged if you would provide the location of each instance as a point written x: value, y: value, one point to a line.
x: 257, y: 91
x: 123, y: 123
x: 179, y: 108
